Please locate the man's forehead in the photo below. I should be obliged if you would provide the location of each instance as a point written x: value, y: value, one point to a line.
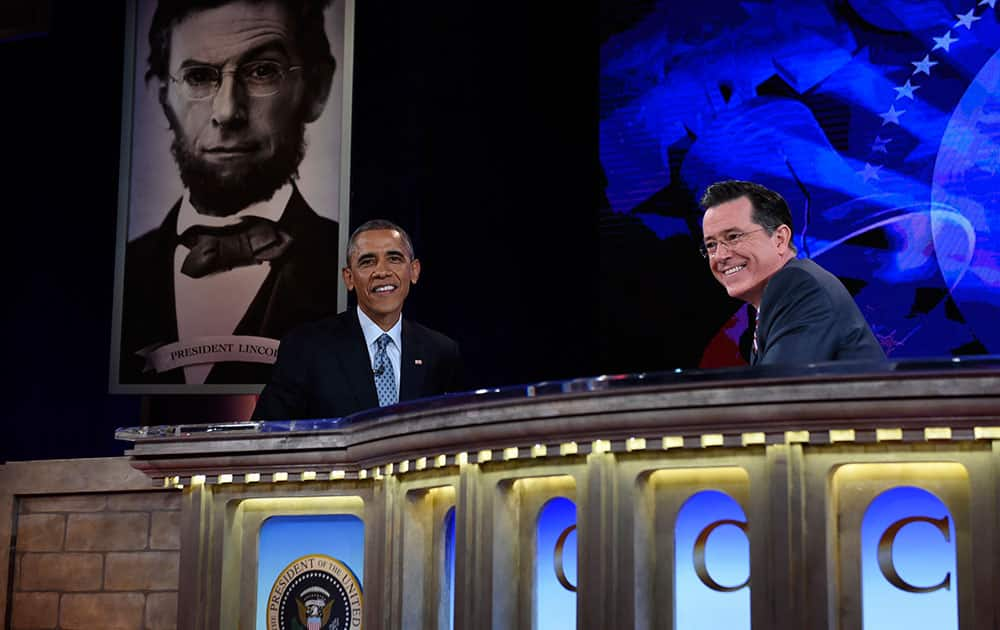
x: 373, y: 241
x: 228, y: 31
x: 731, y: 215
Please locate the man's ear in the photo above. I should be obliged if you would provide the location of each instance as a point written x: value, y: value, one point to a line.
x: 414, y: 271
x: 784, y: 234
x: 319, y: 79
x: 348, y: 278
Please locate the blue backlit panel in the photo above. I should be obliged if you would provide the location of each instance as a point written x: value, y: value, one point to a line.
x: 449, y: 567
x: 908, y: 569
x: 555, y: 566
x: 711, y: 564
x: 284, y: 539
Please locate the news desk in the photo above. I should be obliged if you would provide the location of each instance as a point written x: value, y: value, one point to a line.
x: 830, y: 496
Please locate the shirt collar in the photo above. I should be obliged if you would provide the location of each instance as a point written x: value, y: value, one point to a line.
x: 372, y: 331
x: 271, y: 209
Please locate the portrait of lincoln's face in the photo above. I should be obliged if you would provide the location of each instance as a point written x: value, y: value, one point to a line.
x: 232, y: 178
x: 238, y: 82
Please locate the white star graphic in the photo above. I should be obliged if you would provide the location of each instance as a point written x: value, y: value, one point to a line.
x: 879, y: 146
x: 924, y: 65
x: 906, y: 90
x: 967, y: 19
x: 989, y: 2
x: 944, y: 41
x: 891, y: 116
x: 870, y: 172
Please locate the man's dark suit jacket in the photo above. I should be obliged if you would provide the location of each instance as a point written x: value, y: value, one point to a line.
x: 324, y: 370
x: 301, y: 287
x: 807, y: 316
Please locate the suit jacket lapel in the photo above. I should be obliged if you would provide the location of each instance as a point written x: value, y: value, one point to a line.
x: 164, y: 313
x: 262, y: 316
x: 412, y: 372
x: 352, y: 353
x: 153, y: 317
x: 277, y: 305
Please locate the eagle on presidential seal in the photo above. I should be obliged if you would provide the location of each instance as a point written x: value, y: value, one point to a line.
x: 315, y: 607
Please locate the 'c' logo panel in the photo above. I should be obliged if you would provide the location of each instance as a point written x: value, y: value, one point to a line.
x: 711, y: 564
x: 908, y: 572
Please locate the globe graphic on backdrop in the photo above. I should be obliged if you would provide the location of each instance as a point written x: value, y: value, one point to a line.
x: 967, y: 180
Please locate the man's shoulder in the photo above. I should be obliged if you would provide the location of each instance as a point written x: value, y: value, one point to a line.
x: 299, y: 217
x: 429, y: 335
x: 806, y: 268
x: 144, y: 252
x: 316, y: 340
x: 331, y: 327
x: 146, y: 240
x: 800, y: 267
x: 156, y: 238
x: 800, y: 272
x: 802, y: 279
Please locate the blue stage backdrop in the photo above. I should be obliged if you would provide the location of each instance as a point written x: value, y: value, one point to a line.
x: 878, y: 120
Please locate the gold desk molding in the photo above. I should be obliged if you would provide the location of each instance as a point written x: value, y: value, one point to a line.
x: 802, y: 452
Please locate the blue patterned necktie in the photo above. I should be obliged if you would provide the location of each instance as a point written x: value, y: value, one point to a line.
x: 385, y: 377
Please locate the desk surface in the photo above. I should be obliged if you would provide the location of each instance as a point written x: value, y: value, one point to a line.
x: 911, y: 400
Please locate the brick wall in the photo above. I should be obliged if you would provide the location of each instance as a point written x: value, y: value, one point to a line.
x: 96, y: 561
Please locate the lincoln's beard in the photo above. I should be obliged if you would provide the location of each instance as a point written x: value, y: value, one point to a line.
x: 221, y: 194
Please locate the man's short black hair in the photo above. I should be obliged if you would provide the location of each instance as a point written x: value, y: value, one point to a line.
x: 378, y: 224
x: 310, y: 34
x: 770, y: 210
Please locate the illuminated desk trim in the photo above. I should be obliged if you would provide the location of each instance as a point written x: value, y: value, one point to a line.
x: 810, y: 409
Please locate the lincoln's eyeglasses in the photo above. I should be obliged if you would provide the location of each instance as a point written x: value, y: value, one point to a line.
x: 259, y: 78
x: 730, y: 240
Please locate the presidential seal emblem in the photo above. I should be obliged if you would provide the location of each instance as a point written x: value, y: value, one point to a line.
x: 315, y: 592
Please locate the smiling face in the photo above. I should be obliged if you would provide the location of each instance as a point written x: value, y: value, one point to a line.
x: 380, y: 272
x: 233, y: 148
x: 745, y: 267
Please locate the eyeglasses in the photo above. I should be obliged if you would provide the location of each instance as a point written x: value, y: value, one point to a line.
x: 730, y: 240
x: 260, y: 78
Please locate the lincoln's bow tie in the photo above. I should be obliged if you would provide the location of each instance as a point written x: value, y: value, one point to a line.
x: 251, y: 241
